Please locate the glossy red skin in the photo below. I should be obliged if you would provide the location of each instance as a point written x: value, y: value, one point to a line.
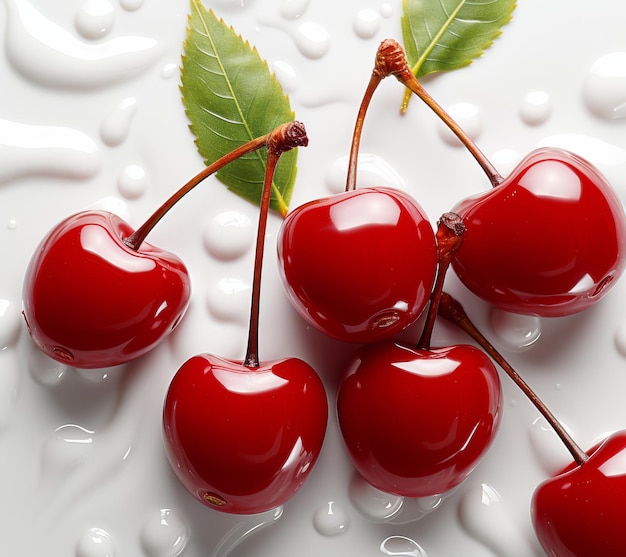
x: 581, y: 512
x: 548, y: 241
x: 90, y: 301
x: 244, y: 440
x: 359, y: 266
x: 415, y: 422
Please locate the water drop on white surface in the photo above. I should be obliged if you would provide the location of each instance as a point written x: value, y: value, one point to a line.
x: 132, y: 182
x: 116, y: 126
x: 46, y: 53
x: 331, y: 519
x: 113, y: 205
x: 68, y: 447
x: 366, y: 23
x: 386, y: 10
x: 468, y: 117
x: 372, y: 503
x: 312, y: 40
x: 95, y: 542
x: 94, y: 18
x: 27, y: 149
x: 515, y: 332
x: 605, y: 86
x: 372, y: 170
x: 228, y: 299
x: 228, y: 235
x: 536, y: 108
x: 164, y: 534
x: 293, y: 9
x: 44, y: 370
x: 484, y: 516
x: 10, y: 323
x: 131, y: 5
x: 169, y: 70
x: 286, y: 75
x: 401, y: 546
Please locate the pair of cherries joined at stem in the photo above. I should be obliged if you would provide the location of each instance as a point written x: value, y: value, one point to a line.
x: 548, y: 240
x: 97, y: 294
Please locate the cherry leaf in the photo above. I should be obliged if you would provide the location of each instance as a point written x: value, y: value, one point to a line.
x: 231, y: 97
x: 444, y: 35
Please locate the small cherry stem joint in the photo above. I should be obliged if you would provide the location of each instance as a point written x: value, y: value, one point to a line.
x: 280, y: 140
x: 391, y: 60
x: 450, y: 235
x: 451, y: 310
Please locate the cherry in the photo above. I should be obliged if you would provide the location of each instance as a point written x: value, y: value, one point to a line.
x: 416, y: 422
x: 579, y: 512
x: 96, y: 294
x: 243, y: 437
x: 358, y: 266
x: 548, y: 240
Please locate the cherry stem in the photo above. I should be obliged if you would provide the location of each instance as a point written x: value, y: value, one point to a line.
x: 451, y: 310
x: 135, y: 240
x: 398, y: 65
x: 450, y: 234
x: 280, y: 140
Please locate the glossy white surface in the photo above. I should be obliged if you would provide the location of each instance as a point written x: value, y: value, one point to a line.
x: 90, y: 115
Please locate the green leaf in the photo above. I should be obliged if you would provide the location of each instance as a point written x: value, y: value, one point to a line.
x: 444, y: 35
x: 231, y: 97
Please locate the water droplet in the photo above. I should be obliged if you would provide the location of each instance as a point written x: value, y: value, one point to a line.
x: 484, y: 516
x: 113, y: 205
x: 169, y: 70
x: 69, y: 447
x: 12, y: 224
x: 95, y: 542
x: 228, y: 299
x: 10, y: 323
x: 401, y: 546
x: 331, y: 519
x: 45, y: 370
x: 372, y: 503
x: 131, y: 5
x: 50, y: 150
x: 366, y: 23
x: 293, y: 9
x: 604, y: 90
x: 132, y: 182
x: 386, y: 10
x: 536, y: 108
x: 116, y: 126
x: 468, y: 117
x: 44, y: 52
x: 515, y: 332
x: 548, y: 449
x: 286, y: 75
x: 228, y: 235
x: 372, y: 170
x: 164, y: 534
x: 94, y: 18
x: 312, y: 39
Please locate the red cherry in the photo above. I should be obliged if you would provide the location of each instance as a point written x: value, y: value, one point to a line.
x: 243, y: 437
x: 96, y: 294
x: 416, y: 422
x: 580, y: 512
x: 244, y: 440
x: 549, y: 240
x: 92, y: 301
x: 359, y: 266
